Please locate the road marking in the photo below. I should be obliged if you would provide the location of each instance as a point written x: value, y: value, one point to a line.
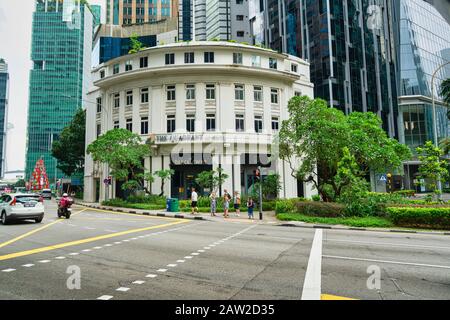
x: 28, y: 265
x: 86, y: 250
x: 390, y: 262
x: 74, y: 254
x: 87, y: 240
x: 151, y: 276
x: 312, y: 284
x: 389, y: 244
x: 96, y: 248
x: 34, y: 231
x: 105, y: 298
x: 332, y: 297
x: 131, y: 214
x: 201, y: 250
x: 108, y: 245
x: 161, y: 270
x: 138, y: 282
x: 107, y: 230
x: 172, y: 265
x: 44, y: 261
x: 122, y: 289
x: 89, y: 228
x: 8, y: 270
x: 181, y: 261
x: 60, y: 258
x: 207, y: 248
x: 118, y: 242
x: 188, y: 257
x: 195, y: 254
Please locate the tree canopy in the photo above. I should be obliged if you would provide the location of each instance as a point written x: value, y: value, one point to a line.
x: 318, y: 137
x: 69, y: 149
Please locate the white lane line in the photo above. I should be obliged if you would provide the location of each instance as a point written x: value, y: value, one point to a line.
x: 28, y: 265
x: 181, y: 261
x: 96, y: 248
x: 86, y: 250
x: 74, y: 254
x: 161, y: 270
x: 207, y: 248
x: 105, y: 298
x: 139, y: 282
x: 44, y: 261
x: 188, y: 257
x: 60, y: 258
x: 389, y: 244
x: 151, y: 276
x: 9, y: 270
x: 172, y: 265
x: 195, y: 254
x: 201, y: 250
x: 390, y: 262
x: 123, y: 289
x: 118, y: 242
x: 108, y: 245
x: 313, y: 278
x: 89, y: 228
x: 126, y: 240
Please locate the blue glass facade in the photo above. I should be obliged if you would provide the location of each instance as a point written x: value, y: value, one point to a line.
x: 111, y: 48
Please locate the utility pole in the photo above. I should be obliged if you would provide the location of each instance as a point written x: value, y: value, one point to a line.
x: 258, y: 176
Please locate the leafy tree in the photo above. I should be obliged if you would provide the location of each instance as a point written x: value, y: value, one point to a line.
x: 164, y: 175
x: 315, y: 137
x: 135, y: 44
x: 212, y: 179
x: 70, y: 147
x: 271, y: 187
x: 20, y: 183
x: 124, y: 152
x: 432, y: 167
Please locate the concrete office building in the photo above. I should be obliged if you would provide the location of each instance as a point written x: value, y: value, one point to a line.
x: 4, y: 90
x: 126, y: 12
x: 205, y: 105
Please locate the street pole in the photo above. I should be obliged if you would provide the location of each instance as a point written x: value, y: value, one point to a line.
x: 260, y: 194
x: 435, y: 135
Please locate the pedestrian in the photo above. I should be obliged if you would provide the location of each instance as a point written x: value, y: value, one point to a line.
x: 226, y: 203
x: 237, y: 203
x: 194, y: 199
x: 213, y: 199
x: 250, y: 206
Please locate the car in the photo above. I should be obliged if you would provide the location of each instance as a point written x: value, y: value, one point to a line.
x: 46, y: 194
x: 21, y: 206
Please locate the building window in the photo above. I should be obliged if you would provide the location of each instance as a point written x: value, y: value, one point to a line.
x: 99, y: 129
x: 170, y: 58
x: 144, y: 95
x: 99, y: 105
x: 116, y: 68
x: 209, y: 57
x: 210, y: 122
x: 257, y: 93
x: 239, y: 17
x: 129, y: 98
x: 258, y: 124
x: 190, y: 92
x: 143, y: 62
x: 239, y: 92
x: 237, y: 58
x: 102, y: 74
x: 116, y: 124
x: 116, y: 100
x: 240, y: 123
x: 190, y: 123
x: 298, y: 94
x: 129, y: 124
x: 170, y: 123
x: 128, y: 65
x: 188, y: 57
x: 210, y: 92
x: 294, y: 68
x: 144, y: 125
x: 239, y: 1
x: 274, y: 96
x: 170, y: 93
x: 256, y: 61
x: 240, y: 34
x: 273, y: 63
x: 275, y: 124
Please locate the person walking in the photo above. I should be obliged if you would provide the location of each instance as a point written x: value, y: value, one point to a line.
x: 237, y: 203
x: 226, y: 203
x: 213, y: 199
x: 250, y: 206
x: 194, y: 199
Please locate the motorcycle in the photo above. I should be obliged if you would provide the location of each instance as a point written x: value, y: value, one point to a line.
x: 65, y: 211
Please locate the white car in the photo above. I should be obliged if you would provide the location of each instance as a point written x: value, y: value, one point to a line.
x: 21, y: 206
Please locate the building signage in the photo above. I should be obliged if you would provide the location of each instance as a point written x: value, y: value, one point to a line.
x: 174, y: 138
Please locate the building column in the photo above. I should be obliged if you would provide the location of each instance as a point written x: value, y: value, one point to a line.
x: 237, y: 173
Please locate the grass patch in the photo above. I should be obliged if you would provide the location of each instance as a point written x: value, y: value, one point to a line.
x: 360, y: 222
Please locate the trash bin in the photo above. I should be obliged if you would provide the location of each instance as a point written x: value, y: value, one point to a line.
x: 168, y: 204
x: 174, y: 205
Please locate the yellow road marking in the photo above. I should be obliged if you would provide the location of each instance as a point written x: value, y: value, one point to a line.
x: 4, y: 244
x: 82, y: 241
x: 332, y: 297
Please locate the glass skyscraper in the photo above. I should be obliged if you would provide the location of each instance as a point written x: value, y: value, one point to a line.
x: 4, y: 82
x: 60, y: 51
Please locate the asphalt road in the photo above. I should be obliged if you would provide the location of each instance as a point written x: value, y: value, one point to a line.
x: 105, y: 255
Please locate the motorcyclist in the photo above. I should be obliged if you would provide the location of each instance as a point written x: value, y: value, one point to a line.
x: 65, y: 201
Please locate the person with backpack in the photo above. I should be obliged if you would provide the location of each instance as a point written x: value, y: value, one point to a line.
x: 226, y: 203
x: 250, y: 207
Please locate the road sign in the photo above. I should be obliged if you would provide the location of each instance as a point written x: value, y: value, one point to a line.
x: 383, y: 178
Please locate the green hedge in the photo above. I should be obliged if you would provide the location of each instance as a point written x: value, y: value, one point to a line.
x: 435, y: 218
x: 310, y: 208
x: 287, y: 205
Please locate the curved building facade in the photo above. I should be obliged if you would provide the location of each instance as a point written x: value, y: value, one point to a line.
x: 206, y: 105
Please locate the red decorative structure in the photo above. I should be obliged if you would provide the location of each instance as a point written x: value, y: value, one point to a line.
x: 39, y: 178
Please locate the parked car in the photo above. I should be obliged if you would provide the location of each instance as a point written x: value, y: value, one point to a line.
x: 21, y: 206
x: 46, y: 194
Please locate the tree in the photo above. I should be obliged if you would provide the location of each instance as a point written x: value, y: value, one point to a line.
x: 164, y: 175
x: 316, y: 137
x: 69, y: 149
x: 20, y: 183
x: 212, y: 179
x: 432, y: 167
x: 271, y: 187
x: 124, y: 152
x: 135, y: 44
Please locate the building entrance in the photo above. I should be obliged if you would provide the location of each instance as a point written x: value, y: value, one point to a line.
x: 184, y: 180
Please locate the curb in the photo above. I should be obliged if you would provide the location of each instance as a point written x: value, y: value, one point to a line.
x: 315, y: 226
x: 145, y: 213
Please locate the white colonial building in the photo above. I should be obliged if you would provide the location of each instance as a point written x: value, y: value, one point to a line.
x: 206, y: 104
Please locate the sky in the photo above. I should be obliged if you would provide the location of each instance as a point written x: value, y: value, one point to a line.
x: 15, y: 46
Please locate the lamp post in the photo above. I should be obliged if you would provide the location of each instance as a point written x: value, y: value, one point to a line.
x: 435, y: 135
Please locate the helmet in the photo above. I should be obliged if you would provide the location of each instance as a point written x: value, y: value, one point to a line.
x: 65, y: 195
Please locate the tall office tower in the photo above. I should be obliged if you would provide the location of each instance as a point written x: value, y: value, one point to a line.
x: 61, y: 53
x: 424, y: 49
x: 214, y: 20
x: 350, y: 46
x: 4, y: 82
x: 126, y: 12
x: 97, y: 14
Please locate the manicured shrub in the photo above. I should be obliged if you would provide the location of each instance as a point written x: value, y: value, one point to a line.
x: 320, y: 209
x: 286, y: 205
x: 434, y: 218
x: 150, y: 199
x: 406, y: 193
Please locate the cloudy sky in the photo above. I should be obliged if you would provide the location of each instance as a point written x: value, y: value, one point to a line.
x: 15, y: 45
